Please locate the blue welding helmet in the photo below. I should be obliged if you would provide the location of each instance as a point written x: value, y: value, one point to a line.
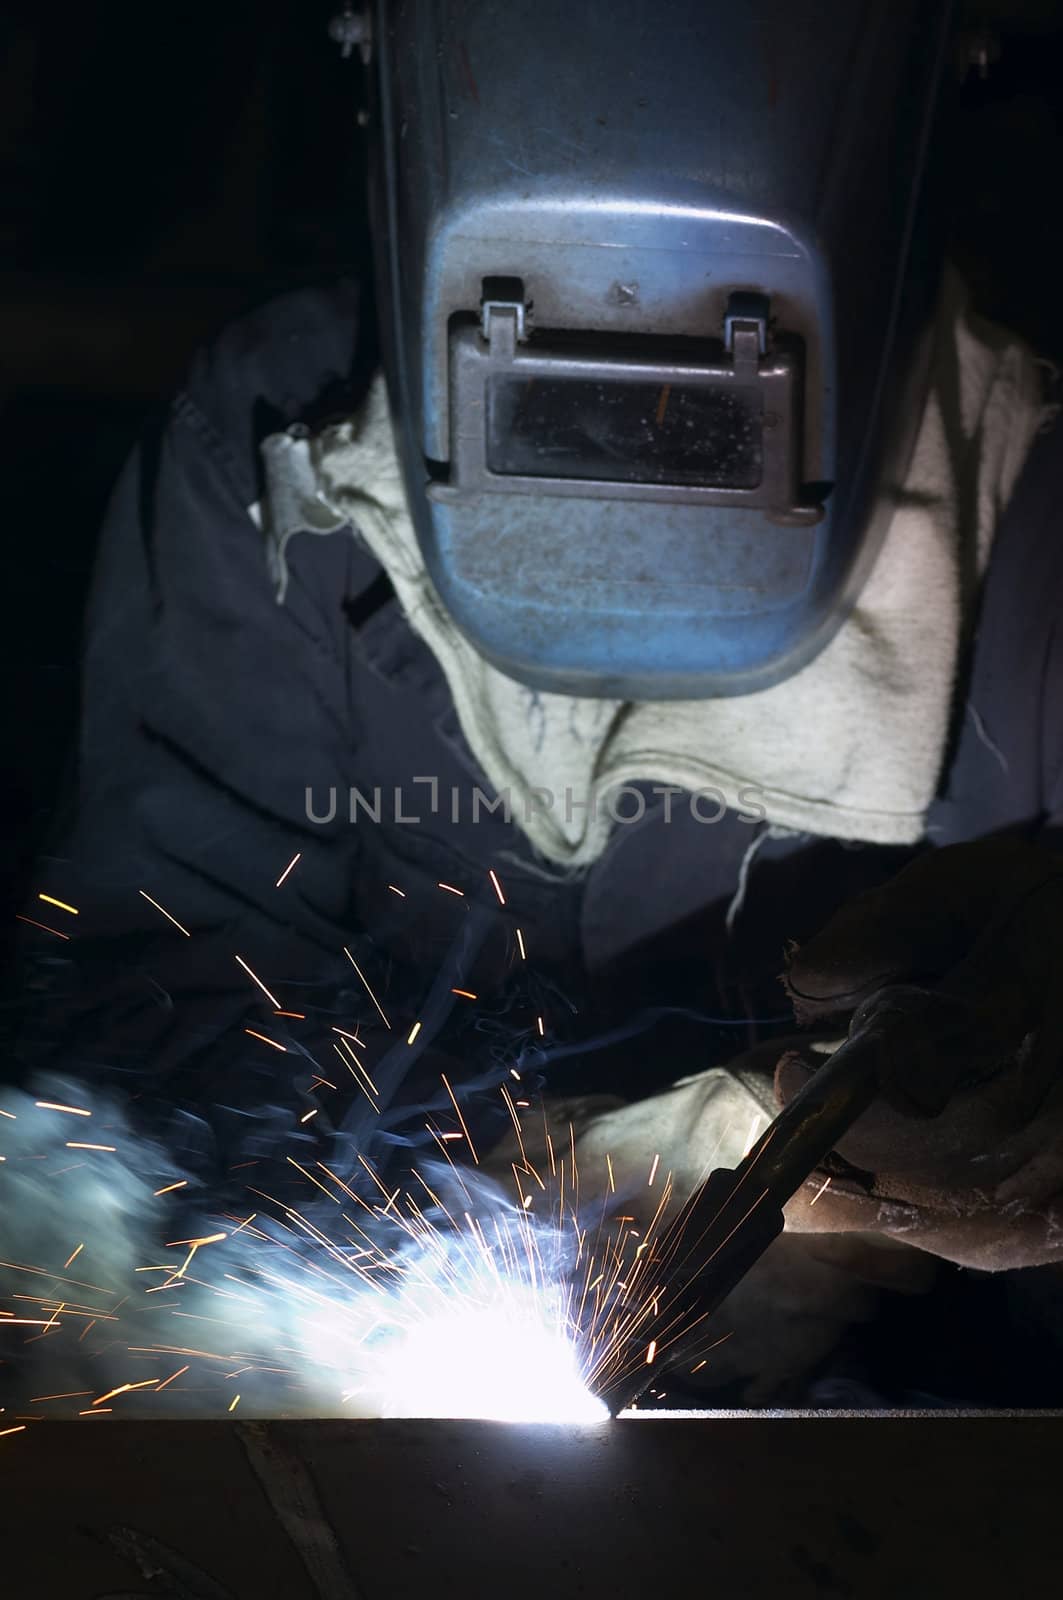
x: 655, y: 285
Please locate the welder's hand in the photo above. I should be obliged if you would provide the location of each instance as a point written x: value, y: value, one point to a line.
x: 970, y: 1120
x: 980, y: 928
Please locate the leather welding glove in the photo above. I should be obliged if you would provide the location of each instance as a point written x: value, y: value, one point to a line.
x: 962, y: 1154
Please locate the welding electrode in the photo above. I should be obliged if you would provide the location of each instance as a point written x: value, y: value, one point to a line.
x: 736, y: 1213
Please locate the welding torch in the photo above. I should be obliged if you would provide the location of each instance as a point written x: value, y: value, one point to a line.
x: 736, y: 1213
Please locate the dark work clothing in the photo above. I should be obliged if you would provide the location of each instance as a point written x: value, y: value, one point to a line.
x: 210, y: 711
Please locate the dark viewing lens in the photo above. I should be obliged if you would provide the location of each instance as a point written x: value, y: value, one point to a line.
x: 625, y: 432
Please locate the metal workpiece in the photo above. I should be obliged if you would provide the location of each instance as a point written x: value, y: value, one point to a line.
x: 734, y: 1504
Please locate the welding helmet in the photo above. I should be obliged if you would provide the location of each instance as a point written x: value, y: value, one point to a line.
x: 655, y: 282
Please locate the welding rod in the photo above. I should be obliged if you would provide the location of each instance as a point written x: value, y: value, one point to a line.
x: 736, y: 1213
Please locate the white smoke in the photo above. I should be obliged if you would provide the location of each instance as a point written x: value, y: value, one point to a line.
x: 460, y: 1312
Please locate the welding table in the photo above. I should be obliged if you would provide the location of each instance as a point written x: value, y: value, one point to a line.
x: 906, y: 1506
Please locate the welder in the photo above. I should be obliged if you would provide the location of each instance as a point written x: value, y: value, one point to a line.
x: 683, y: 591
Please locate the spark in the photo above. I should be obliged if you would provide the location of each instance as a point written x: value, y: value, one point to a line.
x: 609, y: 1167
x: 170, y: 1379
x: 414, y: 1031
x: 271, y: 998
x: 287, y: 869
x: 358, y: 1073
x: 819, y: 1191
x: 449, y: 887
x: 42, y: 925
x: 365, y: 985
x: 540, y: 1026
x: 662, y: 403
x: 497, y: 886
x: 170, y: 1187
x: 291, y: 1160
x: 267, y: 1040
x: 52, y: 1105
x: 20, y: 1428
x: 235, y: 1403
x: 653, y: 1170
x: 461, y: 1119
x: 310, y: 1114
x: 300, y: 1016
x: 50, y: 900
x: 466, y: 994
x: 71, y: 1394
x: 179, y: 926
x: 400, y: 892
x: 521, y: 946
x: 73, y: 1256
x: 73, y: 1145
x: 123, y: 1388
x: 9, y: 1114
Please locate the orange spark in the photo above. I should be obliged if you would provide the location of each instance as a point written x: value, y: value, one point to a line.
x: 51, y: 1105
x: 123, y: 1388
x: 461, y: 1119
x: 266, y: 1040
x: 466, y: 994
x: 170, y: 1379
x: 73, y: 1145
x: 170, y: 1187
x: 365, y: 985
x: 43, y: 925
x: 73, y: 1256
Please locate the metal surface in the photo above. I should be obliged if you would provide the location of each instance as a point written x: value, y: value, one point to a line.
x: 749, y: 1505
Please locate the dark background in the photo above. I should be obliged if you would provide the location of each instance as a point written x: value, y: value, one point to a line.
x: 163, y: 168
